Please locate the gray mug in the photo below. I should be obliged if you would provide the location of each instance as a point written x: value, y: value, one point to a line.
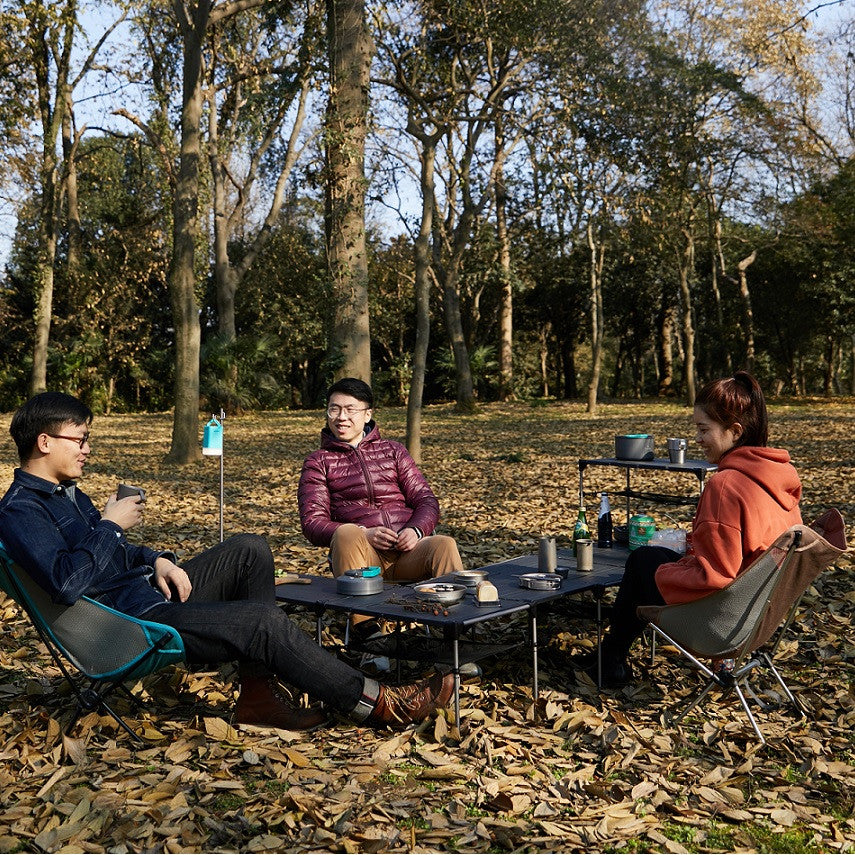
x: 547, y: 557
x: 677, y: 450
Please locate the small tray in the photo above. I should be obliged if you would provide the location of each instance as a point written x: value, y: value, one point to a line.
x: 445, y: 593
x: 540, y: 581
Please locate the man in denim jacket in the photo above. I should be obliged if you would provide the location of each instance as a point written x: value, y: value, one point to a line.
x: 222, y: 602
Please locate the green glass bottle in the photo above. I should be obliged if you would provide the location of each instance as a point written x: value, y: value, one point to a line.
x: 581, y: 530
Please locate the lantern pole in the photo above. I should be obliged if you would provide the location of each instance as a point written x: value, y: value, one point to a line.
x: 212, y: 446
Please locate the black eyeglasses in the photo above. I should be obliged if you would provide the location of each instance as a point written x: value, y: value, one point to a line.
x: 80, y: 440
x: 333, y: 410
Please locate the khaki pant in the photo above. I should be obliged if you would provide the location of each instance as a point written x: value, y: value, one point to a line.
x: 431, y: 556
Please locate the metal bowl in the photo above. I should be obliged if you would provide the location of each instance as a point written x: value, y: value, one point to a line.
x: 445, y: 593
x: 470, y: 578
x: 540, y: 581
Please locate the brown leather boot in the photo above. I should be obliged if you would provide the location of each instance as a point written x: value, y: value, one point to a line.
x: 399, y: 706
x: 263, y: 704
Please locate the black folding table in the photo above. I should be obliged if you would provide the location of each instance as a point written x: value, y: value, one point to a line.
x: 400, y: 603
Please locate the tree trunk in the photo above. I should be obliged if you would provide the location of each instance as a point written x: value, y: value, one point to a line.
x: 852, y: 367
x: 182, y: 278
x: 543, y: 337
x: 69, y: 150
x: 506, y: 296
x: 747, y: 312
x: 687, y: 267
x: 225, y: 281
x: 666, y: 351
x: 346, y: 126
x: 52, y: 83
x: 597, y: 257
x: 568, y: 366
x: 465, y: 392
x: 422, y: 295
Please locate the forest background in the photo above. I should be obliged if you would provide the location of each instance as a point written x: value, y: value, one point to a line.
x: 231, y: 202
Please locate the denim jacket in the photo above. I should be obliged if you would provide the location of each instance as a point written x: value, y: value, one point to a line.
x: 70, y: 551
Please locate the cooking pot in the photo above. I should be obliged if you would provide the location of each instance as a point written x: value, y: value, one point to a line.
x: 634, y: 446
x: 361, y: 582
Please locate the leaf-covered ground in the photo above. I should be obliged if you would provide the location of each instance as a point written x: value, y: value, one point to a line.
x: 586, y: 773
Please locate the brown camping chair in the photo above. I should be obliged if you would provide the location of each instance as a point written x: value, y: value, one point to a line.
x: 736, y: 621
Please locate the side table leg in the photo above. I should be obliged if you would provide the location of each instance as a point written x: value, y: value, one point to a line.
x: 318, y: 628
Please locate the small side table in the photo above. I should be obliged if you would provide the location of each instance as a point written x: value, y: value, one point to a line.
x: 699, y: 468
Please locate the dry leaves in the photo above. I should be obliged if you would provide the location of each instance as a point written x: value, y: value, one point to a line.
x: 574, y: 772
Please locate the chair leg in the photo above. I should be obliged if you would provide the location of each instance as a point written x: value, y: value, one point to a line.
x: 744, y: 703
x: 698, y: 698
x: 91, y: 699
x: 793, y: 699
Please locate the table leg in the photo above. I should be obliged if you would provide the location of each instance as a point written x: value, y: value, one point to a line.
x: 456, y: 672
x: 398, y: 650
x: 318, y: 627
x: 628, y: 510
x: 581, y: 485
x: 599, y: 590
x: 532, y: 628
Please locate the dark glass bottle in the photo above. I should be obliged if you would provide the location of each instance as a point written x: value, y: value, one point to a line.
x: 604, y: 523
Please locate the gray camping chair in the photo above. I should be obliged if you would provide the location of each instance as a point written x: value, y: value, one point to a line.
x: 754, y: 610
x: 106, y: 647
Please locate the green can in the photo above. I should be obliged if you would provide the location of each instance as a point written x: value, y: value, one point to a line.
x: 641, y: 529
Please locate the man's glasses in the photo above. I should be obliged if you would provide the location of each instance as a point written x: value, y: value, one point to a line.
x: 333, y: 410
x: 80, y: 440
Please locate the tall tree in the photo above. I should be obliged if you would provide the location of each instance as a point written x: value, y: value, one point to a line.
x: 43, y: 47
x: 350, y: 50
x: 193, y: 22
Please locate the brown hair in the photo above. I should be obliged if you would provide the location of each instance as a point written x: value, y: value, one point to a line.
x: 737, y: 399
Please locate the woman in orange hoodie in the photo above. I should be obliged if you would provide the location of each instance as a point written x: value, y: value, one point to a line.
x: 752, y: 499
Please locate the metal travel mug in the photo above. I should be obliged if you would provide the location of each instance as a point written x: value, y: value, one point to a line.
x: 677, y: 450
x: 547, y: 557
x: 584, y: 555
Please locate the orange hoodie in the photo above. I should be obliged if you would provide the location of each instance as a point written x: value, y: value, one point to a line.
x: 752, y: 499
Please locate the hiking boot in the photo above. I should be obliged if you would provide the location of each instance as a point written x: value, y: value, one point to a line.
x: 262, y: 703
x: 399, y: 706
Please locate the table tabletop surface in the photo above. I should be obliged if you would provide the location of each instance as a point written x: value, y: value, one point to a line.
x: 401, y: 602
x: 662, y: 463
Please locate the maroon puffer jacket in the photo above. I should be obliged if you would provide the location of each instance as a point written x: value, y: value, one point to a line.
x: 376, y: 483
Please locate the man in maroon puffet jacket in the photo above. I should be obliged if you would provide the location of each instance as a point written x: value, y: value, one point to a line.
x: 365, y: 498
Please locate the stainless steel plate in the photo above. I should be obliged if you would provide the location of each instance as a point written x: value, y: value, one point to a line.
x: 470, y: 578
x: 540, y: 581
x: 445, y: 593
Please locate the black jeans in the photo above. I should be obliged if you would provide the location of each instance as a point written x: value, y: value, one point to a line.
x: 231, y: 614
x: 637, y: 588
